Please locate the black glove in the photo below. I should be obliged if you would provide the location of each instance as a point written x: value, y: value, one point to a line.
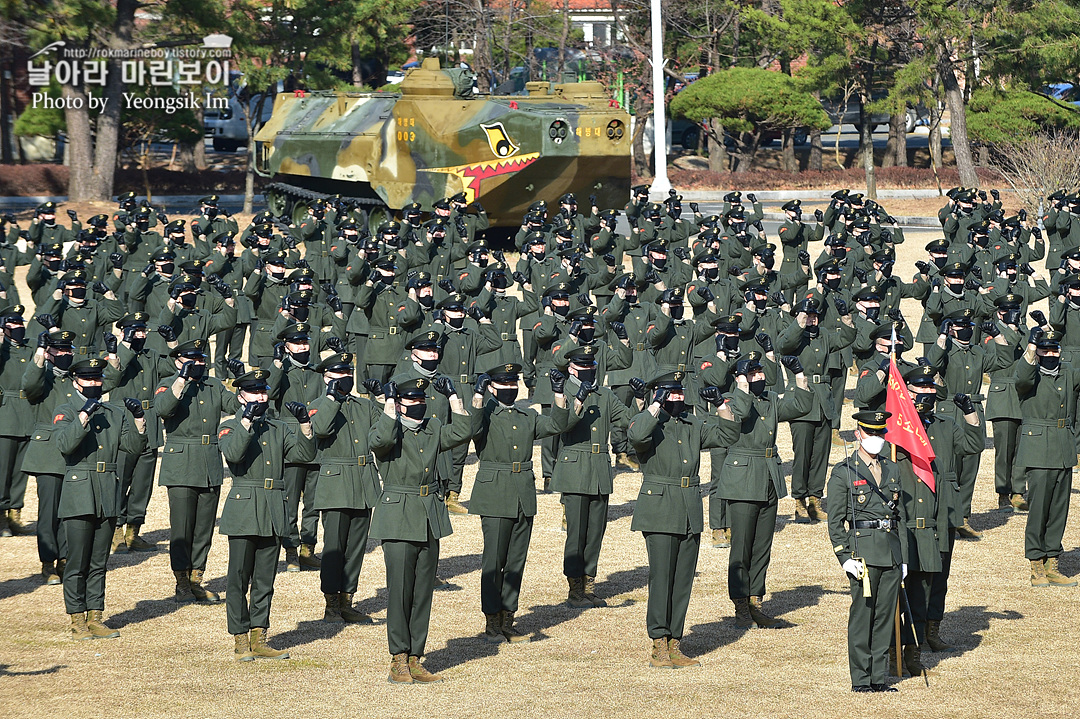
x: 982, y: 195
x: 660, y: 395
x: 333, y: 390
x: 558, y: 381
x: 99, y: 288
x: 480, y: 208
x: 185, y: 369
x: 990, y: 329
x: 1035, y: 335
x: 1037, y: 231
x: 135, y: 407
x: 943, y: 328
x: 637, y: 386
x: 482, y: 381
x: 694, y: 207
x: 619, y: 329
x: 972, y: 284
x: 235, y: 367
x: 476, y: 313
x: 585, y: 300
x: 963, y: 403
x: 445, y: 386
x: 279, y: 352
x: 711, y: 395
x: 575, y: 327
x: 1027, y: 269
x: 110, y: 342
x: 842, y: 308
x: 47, y: 321
x: 778, y: 299
x: 860, y: 274
x: 792, y: 363
x: 91, y: 406
x: 752, y: 197
x: 174, y: 292
x: 651, y: 276
x: 72, y: 215
x: 390, y: 391
x: 759, y: 226
x: 373, y: 386
x: 116, y: 259
x: 682, y: 253
x: 923, y: 362
x: 9, y: 218
x: 592, y: 200
x: 302, y: 264
x: 253, y: 411
x: 923, y: 267
x: 520, y: 278
x: 894, y: 315
x: 609, y: 260
x: 1039, y: 317
x: 167, y: 333
x: 819, y: 215
x: 335, y: 344
x: 976, y: 271
x: 884, y: 365
x: 996, y: 195
x: 545, y: 301
x: 764, y: 341
x: 334, y: 303
x: 43, y: 340
x: 223, y: 289
x: 804, y: 257
x: 584, y: 390
x: 498, y: 256
x: 706, y: 294
x: 447, y: 286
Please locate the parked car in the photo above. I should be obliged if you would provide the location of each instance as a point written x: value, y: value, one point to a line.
x: 841, y: 113
x: 688, y: 134
x: 226, y: 128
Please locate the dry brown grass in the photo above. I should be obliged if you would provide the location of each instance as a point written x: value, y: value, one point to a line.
x: 1016, y: 647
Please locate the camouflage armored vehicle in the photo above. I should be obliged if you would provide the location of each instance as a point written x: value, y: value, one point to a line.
x: 434, y: 138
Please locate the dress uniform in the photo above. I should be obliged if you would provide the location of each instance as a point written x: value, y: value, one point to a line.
x: 409, y: 519
x: 1047, y: 389
x: 390, y: 314
x: 504, y: 493
x: 90, y: 435
x: 870, y: 389
x: 865, y: 520
x: 1003, y: 407
x: 15, y: 423
x: 668, y: 512
x: 70, y: 309
x: 750, y: 480
x: 253, y: 518
x: 191, y: 404
x: 348, y: 487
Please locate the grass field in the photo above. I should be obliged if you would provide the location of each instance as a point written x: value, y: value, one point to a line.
x: 1016, y: 647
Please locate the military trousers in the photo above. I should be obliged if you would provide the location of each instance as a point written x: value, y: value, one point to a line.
x: 619, y: 443
x: 410, y: 582
x: 837, y: 385
x: 811, y: 443
x: 920, y: 586
x: 12, y: 478
x: 549, y: 447
x: 252, y: 565
x: 228, y: 345
x: 1048, y: 502
x: 967, y: 467
x: 870, y: 625
x: 301, y: 481
x: 458, y: 456
x: 89, y: 542
x: 939, y: 588
x: 586, y: 523
x: 345, y: 537
x: 136, y: 485
x: 192, y: 512
x: 752, y: 528
x: 528, y: 357
x: 718, y: 510
x: 51, y: 535
x: 502, y: 566
x: 1007, y: 479
x: 672, y: 565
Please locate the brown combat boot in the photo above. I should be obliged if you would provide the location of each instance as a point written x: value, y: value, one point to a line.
x: 119, y: 546
x: 743, y: 618
x: 1004, y: 503
x: 308, y: 558
x: 79, y: 632
x: 933, y: 637
x: 1055, y: 577
x: 201, y: 593
x: 720, y: 539
x: 760, y: 618
x: 332, y: 613
x: 1038, y: 574
x: 895, y: 670
x: 15, y: 523
x: 260, y: 648
x: 493, y: 629
x: 349, y: 614
x: 453, y: 504
x: 5, y: 528
x: 61, y: 565
x: 421, y: 675
x: 512, y: 635
x: 242, y: 648
x: 590, y: 593
x: 678, y: 659
x: 135, y: 543
x: 399, y: 670
x: 1018, y: 503
x: 815, y: 510
x: 837, y: 440
x: 292, y: 560
x: 622, y: 459
x: 966, y: 531
x: 576, y: 597
x: 802, y: 516
x: 183, y: 587
x: 97, y: 627
x: 913, y: 660
x: 48, y: 573
x: 660, y: 657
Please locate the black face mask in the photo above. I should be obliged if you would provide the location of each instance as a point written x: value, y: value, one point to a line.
x: 62, y: 361
x: 505, y: 396
x: 812, y: 331
x: 1012, y: 317
x: 586, y: 334
x: 300, y: 314
x: 675, y: 212
x: 767, y: 261
x: 344, y: 384
x: 455, y: 322
x: 957, y: 288
x: 925, y: 398
x: 839, y: 252
x: 279, y: 276
x: 426, y: 301
x: 53, y: 264
x: 711, y: 274
x: 78, y: 293
x: 16, y: 334
x: 586, y: 375
x: 415, y: 411
x: 197, y: 371
x: 872, y: 313
x: 832, y: 283
x: 676, y: 312
x: 539, y: 255
x: 674, y: 407
x: 499, y: 282
x: 965, y: 333
x: 757, y: 387
x: 659, y: 262
x: 560, y: 310
x: 137, y: 343
x: 1049, y: 363
x: 631, y: 298
x: 301, y: 358
x: 167, y: 268
x: 886, y: 269
x: 428, y: 365
x: 727, y: 343
x: 90, y: 391
x: 939, y: 262
x: 258, y: 408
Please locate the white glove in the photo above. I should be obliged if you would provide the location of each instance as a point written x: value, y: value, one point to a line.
x: 854, y: 568
x: 903, y: 571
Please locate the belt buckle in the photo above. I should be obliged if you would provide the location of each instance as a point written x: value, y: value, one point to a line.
x: 595, y: 449
x: 392, y: 331
x: 361, y: 461
x: 22, y: 394
x: 769, y: 453
x: 684, y: 482
x: 83, y: 349
x: 424, y: 490
x: 206, y: 439
x: 816, y: 378
x: 99, y: 467
x: 515, y: 467
x: 1061, y: 424
x: 146, y: 404
x: 439, y: 278
x: 504, y: 336
x: 464, y: 378
x: 682, y: 367
x: 885, y: 523
x: 920, y: 523
x: 640, y: 346
x: 268, y: 483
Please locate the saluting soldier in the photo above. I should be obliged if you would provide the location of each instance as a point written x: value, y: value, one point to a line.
x: 1003, y: 406
x: 70, y: 309
x: 865, y: 518
x: 504, y: 493
x: 191, y: 404
x: 256, y: 448
x: 15, y: 419
x: 410, y: 520
x: 90, y: 434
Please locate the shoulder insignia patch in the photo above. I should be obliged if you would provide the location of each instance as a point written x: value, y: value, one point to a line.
x: 706, y: 365
x: 311, y: 412
x: 223, y: 432
x: 864, y: 373
x: 159, y: 390
x: 859, y: 482
x: 57, y: 418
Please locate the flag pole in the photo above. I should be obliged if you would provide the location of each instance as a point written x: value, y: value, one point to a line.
x: 892, y: 445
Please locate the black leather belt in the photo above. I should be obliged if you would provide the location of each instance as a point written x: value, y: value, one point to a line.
x: 873, y: 524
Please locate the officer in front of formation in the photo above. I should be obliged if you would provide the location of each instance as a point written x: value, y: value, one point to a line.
x: 90, y: 435
x: 256, y: 449
x: 865, y: 517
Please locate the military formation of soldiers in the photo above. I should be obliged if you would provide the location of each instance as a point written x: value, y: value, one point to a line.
x: 343, y: 372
